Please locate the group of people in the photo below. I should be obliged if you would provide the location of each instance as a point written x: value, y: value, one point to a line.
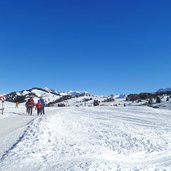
x: 39, y: 106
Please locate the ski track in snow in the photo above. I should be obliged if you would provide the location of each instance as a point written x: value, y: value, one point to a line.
x: 93, y: 139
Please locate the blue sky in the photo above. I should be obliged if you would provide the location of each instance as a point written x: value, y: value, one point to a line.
x: 101, y: 46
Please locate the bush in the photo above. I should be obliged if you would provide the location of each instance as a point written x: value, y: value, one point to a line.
x: 110, y: 99
x: 139, y: 100
x: 158, y: 100
x: 19, y: 99
x: 150, y: 101
x: 86, y: 100
x: 96, y: 103
x: 61, y: 105
x: 155, y: 107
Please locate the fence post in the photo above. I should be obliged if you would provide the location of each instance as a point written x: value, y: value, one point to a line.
x: 2, y: 107
x: 2, y: 99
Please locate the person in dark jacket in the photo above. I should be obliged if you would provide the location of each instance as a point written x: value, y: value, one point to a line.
x: 26, y: 105
x: 29, y: 106
x: 32, y: 100
x: 43, y: 105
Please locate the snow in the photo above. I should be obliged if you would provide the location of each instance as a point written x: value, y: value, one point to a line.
x: 25, y: 92
x: 164, y: 89
x: 78, y: 93
x: 48, y: 97
x: 132, y: 138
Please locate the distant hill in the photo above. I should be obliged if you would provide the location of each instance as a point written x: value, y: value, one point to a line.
x: 164, y: 90
x: 61, y: 99
x: 49, y: 95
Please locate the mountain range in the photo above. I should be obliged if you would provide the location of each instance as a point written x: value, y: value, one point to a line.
x: 164, y: 89
x: 55, y: 98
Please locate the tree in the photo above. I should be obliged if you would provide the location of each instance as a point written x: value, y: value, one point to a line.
x: 150, y: 101
x: 19, y: 99
x: 96, y: 103
x: 61, y: 105
x: 158, y: 100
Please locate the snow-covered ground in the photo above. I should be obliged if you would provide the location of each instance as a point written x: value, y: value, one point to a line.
x: 131, y: 138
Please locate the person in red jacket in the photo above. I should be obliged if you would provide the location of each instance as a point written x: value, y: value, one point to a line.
x: 16, y: 104
x: 39, y: 108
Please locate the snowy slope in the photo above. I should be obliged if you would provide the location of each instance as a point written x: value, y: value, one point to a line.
x: 87, y: 101
x: 76, y: 139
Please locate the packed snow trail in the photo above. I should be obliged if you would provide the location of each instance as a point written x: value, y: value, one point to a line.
x: 94, y: 139
x: 12, y: 126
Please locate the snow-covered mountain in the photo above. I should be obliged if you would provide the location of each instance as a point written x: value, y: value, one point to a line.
x: 79, y: 93
x: 164, y: 89
x: 70, y: 98
x: 118, y: 96
x: 83, y: 98
x: 23, y: 95
x: 49, y: 95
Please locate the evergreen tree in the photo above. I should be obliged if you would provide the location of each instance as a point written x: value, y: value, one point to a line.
x: 158, y: 100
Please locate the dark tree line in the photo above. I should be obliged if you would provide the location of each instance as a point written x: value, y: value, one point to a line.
x: 61, y: 99
x: 146, y: 96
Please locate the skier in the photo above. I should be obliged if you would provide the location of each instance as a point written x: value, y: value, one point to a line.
x: 39, y: 108
x: 43, y: 105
